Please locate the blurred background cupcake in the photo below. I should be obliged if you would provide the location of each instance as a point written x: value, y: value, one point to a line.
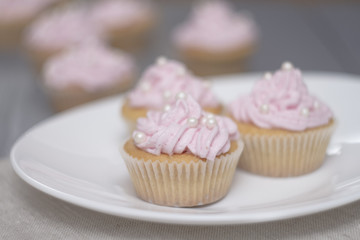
x: 15, y: 15
x: 58, y: 30
x: 216, y: 39
x: 125, y: 23
x: 85, y: 73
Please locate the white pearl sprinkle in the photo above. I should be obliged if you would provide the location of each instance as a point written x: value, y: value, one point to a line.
x: 316, y: 105
x: 210, y: 115
x: 145, y: 86
x: 192, y: 122
x: 264, y: 108
x: 203, y: 121
x: 181, y: 71
x: 167, y: 95
x: 181, y: 95
x: 167, y: 108
x: 206, y: 84
x: 211, y: 123
x: 305, y: 112
x: 161, y: 61
x: 287, y: 66
x: 268, y: 75
x: 139, y: 137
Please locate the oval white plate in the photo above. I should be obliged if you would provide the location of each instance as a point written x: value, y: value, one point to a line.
x: 74, y: 157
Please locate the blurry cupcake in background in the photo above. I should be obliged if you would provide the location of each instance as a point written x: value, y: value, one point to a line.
x: 58, y: 30
x: 15, y: 15
x: 286, y: 130
x: 216, y: 39
x: 85, y: 73
x: 161, y: 84
x: 125, y: 23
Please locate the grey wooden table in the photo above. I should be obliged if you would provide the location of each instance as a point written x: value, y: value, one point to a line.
x: 314, y: 37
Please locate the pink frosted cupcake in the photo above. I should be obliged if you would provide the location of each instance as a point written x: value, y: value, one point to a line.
x: 183, y: 157
x: 58, y: 30
x: 216, y: 39
x: 86, y: 73
x: 161, y: 84
x: 286, y: 130
x: 15, y: 15
x: 125, y: 23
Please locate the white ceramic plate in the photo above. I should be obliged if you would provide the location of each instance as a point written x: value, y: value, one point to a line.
x: 74, y: 157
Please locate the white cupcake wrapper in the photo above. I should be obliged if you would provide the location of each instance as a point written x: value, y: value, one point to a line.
x: 285, y: 156
x: 182, y: 184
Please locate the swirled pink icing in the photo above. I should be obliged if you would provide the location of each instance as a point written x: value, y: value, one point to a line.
x: 281, y: 101
x: 21, y: 9
x: 62, y: 28
x: 170, y: 132
x: 213, y: 25
x: 114, y: 13
x: 169, y: 77
x: 90, y: 66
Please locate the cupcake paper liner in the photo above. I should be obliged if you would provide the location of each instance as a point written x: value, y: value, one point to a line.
x: 182, y: 184
x: 285, y: 156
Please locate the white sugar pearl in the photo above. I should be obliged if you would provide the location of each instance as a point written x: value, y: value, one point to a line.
x: 145, y: 86
x: 139, y: 137
x: 192, y: 122
x: 264, y: 108
x: 206, y: 84
x: 305, y: 112
x: 203, y: 121
x: 167, y: 94
x: 181, y: 72
x: 287, y: 66
x: 211, y: 123
x: 210, y: 115
x: 167, y: 108
x: 268, y: 75
x: 181, y: 95
x: 316, y: 105
x: 161, y: 61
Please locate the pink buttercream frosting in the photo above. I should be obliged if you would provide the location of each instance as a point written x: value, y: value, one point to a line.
x: 213, y: 25
x: 281, y: 101
x: 119, y: 13
x: 21, y: 9
x: 162, y: 81
x: 185, y: 128
x: 62, y: 28
x: 90, y: 66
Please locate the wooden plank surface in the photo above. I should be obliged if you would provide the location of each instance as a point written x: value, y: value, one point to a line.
x: 314, y: 37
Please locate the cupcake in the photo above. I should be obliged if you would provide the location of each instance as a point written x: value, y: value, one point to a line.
x: 85, y: 73
x: 216, y: 39
x: 285, y: 129
x: 15, y: 15
x: 182, y: 157
x: 125, y: 23
x: 158, y: 88
x: 58, y: 30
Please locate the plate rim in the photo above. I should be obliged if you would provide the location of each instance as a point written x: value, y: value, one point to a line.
x: 180, y: 218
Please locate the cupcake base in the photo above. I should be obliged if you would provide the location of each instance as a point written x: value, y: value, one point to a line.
x: 131, y: 38
x: 73, y: 96
x: 38, y: 57
x: 281, y: 153
x: 180, y: 180
x: 206, y: 63
x: 10, y: 34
